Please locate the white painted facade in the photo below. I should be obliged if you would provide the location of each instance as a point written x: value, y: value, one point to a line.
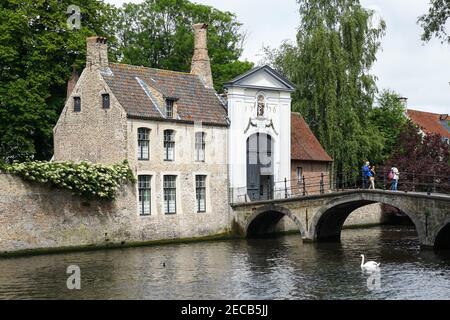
x: 243, y: 93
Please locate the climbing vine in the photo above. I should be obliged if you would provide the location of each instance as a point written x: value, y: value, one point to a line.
x: 84, y: 178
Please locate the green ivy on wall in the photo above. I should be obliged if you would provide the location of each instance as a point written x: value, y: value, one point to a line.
x: 85, y: 179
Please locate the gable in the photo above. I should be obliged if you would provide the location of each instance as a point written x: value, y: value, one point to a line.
x: 262, y: 78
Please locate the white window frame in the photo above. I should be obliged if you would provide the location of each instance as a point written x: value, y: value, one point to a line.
x: 140, y: 148
x: 141, y: 204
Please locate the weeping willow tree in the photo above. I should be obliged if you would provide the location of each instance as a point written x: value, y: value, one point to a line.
x: 337, y: 43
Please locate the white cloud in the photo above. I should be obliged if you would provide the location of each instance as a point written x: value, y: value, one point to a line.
x: 416, y: 70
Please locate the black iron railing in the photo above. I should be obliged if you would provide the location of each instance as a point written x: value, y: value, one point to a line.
x: 315, y: 184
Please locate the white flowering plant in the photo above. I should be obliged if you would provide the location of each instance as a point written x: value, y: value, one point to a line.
x: 84, y: 178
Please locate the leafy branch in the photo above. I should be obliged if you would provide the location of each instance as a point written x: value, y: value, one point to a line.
x: 84, y: 178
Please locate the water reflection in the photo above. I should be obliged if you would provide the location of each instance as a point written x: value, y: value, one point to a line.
x: 280, y: 268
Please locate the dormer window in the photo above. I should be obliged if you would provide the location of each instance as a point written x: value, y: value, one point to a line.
x: 105, y: 101
x: 76, y: 104
x: 169, y: 108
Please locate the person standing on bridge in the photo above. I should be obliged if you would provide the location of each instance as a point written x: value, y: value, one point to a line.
x: 372, y: 178
x: 395, y: 177
x: 366, y: 174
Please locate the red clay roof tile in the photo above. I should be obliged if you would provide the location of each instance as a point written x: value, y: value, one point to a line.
x: 304, y: 145
x: 428, y: 122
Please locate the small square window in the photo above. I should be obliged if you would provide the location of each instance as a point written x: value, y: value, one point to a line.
x: 76, y: 104
x: 105, y: 101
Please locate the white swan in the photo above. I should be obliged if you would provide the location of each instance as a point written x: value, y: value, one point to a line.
x: 369, y: 265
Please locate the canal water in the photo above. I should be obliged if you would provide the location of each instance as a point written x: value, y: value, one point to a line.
x: 277, y: 268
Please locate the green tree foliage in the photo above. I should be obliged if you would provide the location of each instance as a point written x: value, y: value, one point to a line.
x: 158, y: 33
x: 37, y: 49
x: 389, y: 118
x: 434, y: 22
x: 336, y: 47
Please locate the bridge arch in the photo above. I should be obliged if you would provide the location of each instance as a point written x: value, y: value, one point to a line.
x: 442, y: 240
x: 264, y: 219
x: 328, y: 221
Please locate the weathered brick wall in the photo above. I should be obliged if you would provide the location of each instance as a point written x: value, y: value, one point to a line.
x: 184, y: 166
x: 312, y: 171
x: 34, y: 216
x: 94, y: 134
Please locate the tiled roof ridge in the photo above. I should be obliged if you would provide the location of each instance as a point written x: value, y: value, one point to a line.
x: 157, y: 69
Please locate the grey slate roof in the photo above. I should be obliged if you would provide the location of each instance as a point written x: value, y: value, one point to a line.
x: 131, y: 86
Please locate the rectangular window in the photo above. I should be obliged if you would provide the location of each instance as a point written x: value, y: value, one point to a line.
x: 105, y: 101
x: 200, y: 190
x: 143, y: 144
x: 169, y: 145
x: 200, y: 146
x: 169, y: 108
x: 144, y: 195
x: 76, y: 104
x: 299, y: 175
x: 170, y: 194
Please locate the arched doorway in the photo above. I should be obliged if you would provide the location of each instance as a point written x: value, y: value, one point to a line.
x: 260, y: 166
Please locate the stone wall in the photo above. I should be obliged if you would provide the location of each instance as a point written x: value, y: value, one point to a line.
x: 94, y: 134
x: 34, y: 216
x: 184, y: 166
x: 366, y: 216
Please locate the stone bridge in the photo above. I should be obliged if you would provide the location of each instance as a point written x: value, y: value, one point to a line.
x: 321, y: 217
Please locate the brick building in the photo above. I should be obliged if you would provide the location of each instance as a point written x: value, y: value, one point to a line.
x: 170, y: 126
x: 309, y: 161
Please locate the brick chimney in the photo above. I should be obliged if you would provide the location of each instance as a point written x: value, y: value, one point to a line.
x: 72, y: 81
x: 96, y: 53
x: 201, y: 64
x: 404, y: 102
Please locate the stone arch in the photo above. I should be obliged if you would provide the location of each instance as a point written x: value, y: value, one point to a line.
x: 328, y: 221
x: 268, y: 216
x: 442, y: 239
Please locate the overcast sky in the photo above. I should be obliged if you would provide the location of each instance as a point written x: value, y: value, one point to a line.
x: 419, y: 71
